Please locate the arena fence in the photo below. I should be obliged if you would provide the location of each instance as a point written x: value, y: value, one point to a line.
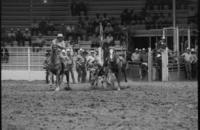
x: 26, y: 63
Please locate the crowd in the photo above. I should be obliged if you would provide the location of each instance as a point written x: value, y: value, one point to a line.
x: 188, y: 58
x: 16, y: 35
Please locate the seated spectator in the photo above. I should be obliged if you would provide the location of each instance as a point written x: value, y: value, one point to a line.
x: 19, y: 37
x: 11, y: 36
x: 191, y: 15
x: 34, y: 28
x: 74, y: 8
x: 27, y: 36
x: 148, y: 21
x: 108, y: 29
x: 39, y: 42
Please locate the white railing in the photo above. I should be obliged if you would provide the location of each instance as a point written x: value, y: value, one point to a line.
x: 25, y: 58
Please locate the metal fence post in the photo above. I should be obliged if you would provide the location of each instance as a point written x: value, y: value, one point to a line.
x: 29, y: 64
x: 149, y: 64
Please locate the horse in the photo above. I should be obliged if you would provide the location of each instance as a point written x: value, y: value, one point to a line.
x: 116, y: 65
x: 56, y: 66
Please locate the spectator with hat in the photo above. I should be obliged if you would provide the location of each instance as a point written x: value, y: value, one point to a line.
x: 135, y: 57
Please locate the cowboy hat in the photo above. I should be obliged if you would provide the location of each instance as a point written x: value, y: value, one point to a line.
x: 192, y: 50
x: 60, y: 35
x: 67, y: 49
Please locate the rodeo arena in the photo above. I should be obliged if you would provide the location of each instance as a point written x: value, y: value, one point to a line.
x: 99, y: 64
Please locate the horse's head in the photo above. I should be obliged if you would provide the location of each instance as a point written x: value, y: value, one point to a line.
x: 54, y: 47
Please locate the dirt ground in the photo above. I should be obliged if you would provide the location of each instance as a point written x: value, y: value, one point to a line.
x: 138, y: 106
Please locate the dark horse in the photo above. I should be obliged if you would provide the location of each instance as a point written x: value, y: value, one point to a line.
x: 56, y: 66
x: 116, y: 65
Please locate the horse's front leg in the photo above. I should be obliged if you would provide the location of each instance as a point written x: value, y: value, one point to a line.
x: 118, y: 80
x: 57, y: 82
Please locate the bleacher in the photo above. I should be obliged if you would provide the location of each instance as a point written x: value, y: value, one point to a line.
x: 18, y: 12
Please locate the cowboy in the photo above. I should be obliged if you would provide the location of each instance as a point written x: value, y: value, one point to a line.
x: 59, y: 41
x: 187, y: 59
x: 80, y: 65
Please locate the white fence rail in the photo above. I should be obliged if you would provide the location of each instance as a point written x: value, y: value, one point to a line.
x: 25, y: 58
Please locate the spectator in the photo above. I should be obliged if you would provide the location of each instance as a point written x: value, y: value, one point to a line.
x: 187, y: 60
x: 39, y: 42
x: 135, y: 57
x: 108, y: 29
x: 82, y: 8
x: 11, y: 36
x: 109, y: 39
x: 97, y: 20
x: 74, y: 8
x: 123, y: 16
x: 95, y: 40
x: 50, y: 27
x: 19, y: 37
x: 194, y: 62
x: 130, y: 13
x: 43, y: 26
x: 4, y: 54
x: 34, y: 28
x: 105, y: 19
x: 27, y: 36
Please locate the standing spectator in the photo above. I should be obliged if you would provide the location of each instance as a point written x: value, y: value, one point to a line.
x: 11, y: 36
x: 74, y: 8
x: 82, y: 8
x: 135, y: 57
x: 19, y: 37
x: 4, y: 54
x: 43, y: 26
x: 194, y: 62
x: 34, y: 28
x: 27, y: 36
x: 187, y: 60
x: 123, y: 16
